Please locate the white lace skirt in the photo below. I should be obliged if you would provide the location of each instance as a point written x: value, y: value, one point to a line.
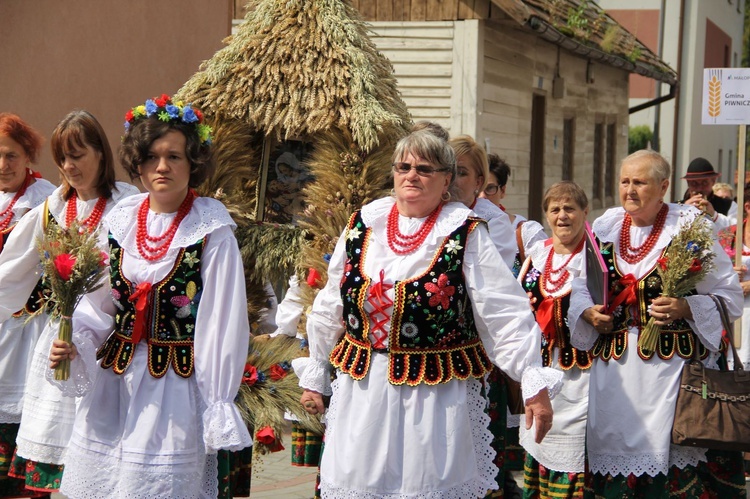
x: 47, y: 418
x: 564, y: 446
x: 139, y: 436
x: 17, y: 342
x: 393, y: 441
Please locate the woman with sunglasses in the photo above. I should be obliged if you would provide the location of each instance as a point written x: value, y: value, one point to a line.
x: 412, y: 325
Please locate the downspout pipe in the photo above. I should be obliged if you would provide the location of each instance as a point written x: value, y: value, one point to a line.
x: 653, y: 102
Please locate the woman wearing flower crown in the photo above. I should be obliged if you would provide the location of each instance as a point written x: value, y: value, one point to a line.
x: 170, y: 330
x: 633, y: 389
x: 21, y: 189
x: 88, y: 191
x: 412, y: 323
x: 555, y: 467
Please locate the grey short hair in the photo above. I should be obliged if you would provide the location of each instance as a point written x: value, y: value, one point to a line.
x: 660, y: 168
x: 426, y: 145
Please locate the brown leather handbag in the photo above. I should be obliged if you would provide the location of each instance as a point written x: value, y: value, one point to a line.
x: 713, y: 407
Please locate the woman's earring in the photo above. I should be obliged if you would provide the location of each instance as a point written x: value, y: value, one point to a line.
x: 446, y: 196
x: 393, y: 192
x: 476, y: 192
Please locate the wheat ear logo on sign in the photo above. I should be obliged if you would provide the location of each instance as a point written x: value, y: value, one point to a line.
x: 714, y: 93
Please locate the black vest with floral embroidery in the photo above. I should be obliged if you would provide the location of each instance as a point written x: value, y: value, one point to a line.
x: 569, y: 356
x: 676, y: 337
x: 170, y: 315
x: 432, y: 337
x: 38, y: 298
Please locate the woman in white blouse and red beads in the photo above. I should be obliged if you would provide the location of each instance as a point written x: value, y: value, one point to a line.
x: 88, y: 190
x: 164, y: 343
x: 412, y: 323
x: 21, y: 189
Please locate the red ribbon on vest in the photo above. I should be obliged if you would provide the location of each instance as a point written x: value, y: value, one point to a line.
x: 545, y: 317
x: 627, y: 295
x: 141, y: 306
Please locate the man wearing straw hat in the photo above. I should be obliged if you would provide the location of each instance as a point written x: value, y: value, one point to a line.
x: 701, y: 178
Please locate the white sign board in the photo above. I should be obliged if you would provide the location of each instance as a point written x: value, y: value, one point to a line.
x: 726, y: 96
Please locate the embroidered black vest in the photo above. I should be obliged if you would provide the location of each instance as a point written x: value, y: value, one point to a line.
x: 38, y: 297
x: 676, y: 337
x: 569, y: 356
x: 432, y: 338
x: 170, y: 316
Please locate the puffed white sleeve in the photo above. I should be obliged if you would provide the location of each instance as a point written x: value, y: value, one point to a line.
x: 504, y: 319
x: 20, y: 266
x: 324, y: 325
x: 722, y: 281
x: 289, y: 311
x: 582, y: 334
x: 504, y: 238
x: 222, y: 336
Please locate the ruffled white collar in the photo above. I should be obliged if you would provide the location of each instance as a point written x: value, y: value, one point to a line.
x: 35, y: 195
x: 607, y: 227
x: 451, y: 217
x: 206, y: 215
x: 57, y: 204
x: 540, y: 250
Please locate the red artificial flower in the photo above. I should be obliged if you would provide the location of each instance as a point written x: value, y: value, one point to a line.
x: 162, y: 101
x: 129, y: 115
x: 441, y: 292
x: 64, y: 264
x: 276, y: 372
x: 313, y: 277
x: 662, y: 263
x: 695, y: 266
x: 199, y: 115
x: 250, y: 375
x: 103, y: 259
x: 266, y: 436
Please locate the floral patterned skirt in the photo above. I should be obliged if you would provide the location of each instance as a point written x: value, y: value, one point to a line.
x: 540, y: 482
x: 722, y: 476
x: 306, y: 446
x: 14, y: 479
x: 235, y: 470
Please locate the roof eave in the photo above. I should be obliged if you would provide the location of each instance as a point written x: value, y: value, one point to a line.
x: 552, y: 35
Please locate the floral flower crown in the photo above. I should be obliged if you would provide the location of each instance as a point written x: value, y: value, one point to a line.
x: 166, y: 110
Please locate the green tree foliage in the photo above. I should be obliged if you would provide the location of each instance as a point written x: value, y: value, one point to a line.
x: 639, y: 138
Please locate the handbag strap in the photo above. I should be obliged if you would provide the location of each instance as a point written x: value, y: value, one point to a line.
x: 727, y: 325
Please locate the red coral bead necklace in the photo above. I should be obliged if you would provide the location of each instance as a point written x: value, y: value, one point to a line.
x: 403, y: 244
x: 153, y: 248
x: 92, y: 221
x: 551, y: 283
x: 634, y: 255
x: 7, y: 214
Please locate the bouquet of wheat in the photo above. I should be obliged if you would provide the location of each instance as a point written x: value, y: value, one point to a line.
x: 73, y: 265
x: 685, y: 263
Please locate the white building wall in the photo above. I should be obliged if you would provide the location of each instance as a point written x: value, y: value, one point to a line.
x: 693, y: 139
